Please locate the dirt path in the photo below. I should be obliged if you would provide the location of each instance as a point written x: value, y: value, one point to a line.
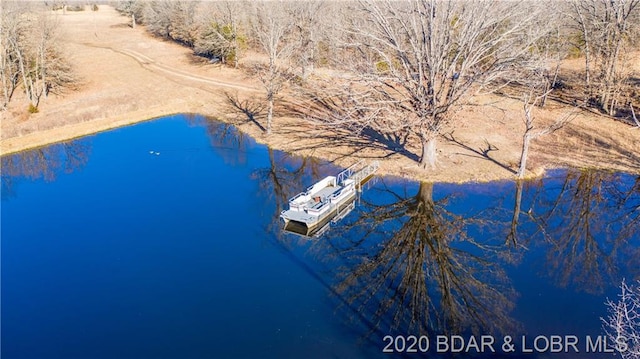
x: 126, y: 76
x: 170, y: 73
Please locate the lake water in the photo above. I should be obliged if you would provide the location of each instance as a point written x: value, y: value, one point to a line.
x: 162, y: 240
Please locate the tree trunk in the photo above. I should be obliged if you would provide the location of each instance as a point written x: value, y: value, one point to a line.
x: 269, y: 113
x: 278, y: 188
x: 43, y: 68
x: 512, y: 237
x: 425, y: 192
x: 4, y: 75
x: 236, y: 48
x: 428, y: 157
x: 635, y: 119
x: 587, y: 65
x: 550, y: 85
x: 524, y: 155
x: 133, y: 21
x: 547, y: 86
x: 25, y: 80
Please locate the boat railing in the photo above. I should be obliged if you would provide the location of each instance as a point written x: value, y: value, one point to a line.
x: 365, y: 172
x: 292, y: 199
x: 356, y: 172
x: 344, y: 175
x: 347, y: 173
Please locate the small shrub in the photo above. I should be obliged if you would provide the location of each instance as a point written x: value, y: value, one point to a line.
x: 324, y: 54
x: 382, y: 67
x: 94, y: 7
x: 297, y: 80
x: 230, y: 58
x: 32, y: 108
x: 574, y: 53
x: 77, y: 7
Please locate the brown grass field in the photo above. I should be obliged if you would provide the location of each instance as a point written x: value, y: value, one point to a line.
x: 127, y: 76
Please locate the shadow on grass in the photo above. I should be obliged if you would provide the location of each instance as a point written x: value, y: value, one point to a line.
x: 248, y: 109
x: 480, y: 153
x: 596, y: 149
x: 321, y: 130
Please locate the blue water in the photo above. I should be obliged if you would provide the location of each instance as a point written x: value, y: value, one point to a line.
x: 162, y: 240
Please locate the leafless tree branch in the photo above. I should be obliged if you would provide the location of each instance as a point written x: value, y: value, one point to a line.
x: 622, y: 325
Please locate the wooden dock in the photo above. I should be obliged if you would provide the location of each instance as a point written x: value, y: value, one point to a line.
x: 360, y: 173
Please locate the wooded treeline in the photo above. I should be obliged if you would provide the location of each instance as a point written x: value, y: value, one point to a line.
x: 407, y: 67
x: 31, y: 57
x: 392, y: 68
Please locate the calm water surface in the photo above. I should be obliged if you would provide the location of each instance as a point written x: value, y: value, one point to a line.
x: 162, y: 240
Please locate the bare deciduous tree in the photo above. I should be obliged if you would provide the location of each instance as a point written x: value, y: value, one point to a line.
x: 271, y: 26
x: 530, y: 102
x: 622, y: 325
x: 579, y: 16
x: 175, y: 20
x: 418, y: 60
x: 606, y: 29
x: 220, y: 35
x: 10, y: 30
x: 132, y: 8
x: 305, y: 17
x: 30, y: 54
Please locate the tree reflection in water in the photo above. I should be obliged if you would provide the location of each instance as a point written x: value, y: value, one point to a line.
x: 415, y: 263
x: 415, y: 268
x: 408, y: 264
x: 589, y: 225
x: 43, y: 163
x: 227, y: 141
x: 404, y: 263
x: 283, y: 178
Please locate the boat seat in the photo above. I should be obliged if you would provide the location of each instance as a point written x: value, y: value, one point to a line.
x: 317, y: 205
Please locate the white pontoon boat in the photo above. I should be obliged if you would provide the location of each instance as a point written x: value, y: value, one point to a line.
x: 329, y: 199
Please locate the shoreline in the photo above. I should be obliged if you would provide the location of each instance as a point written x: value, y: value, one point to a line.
x: 74, y: 131
x: 140, y: 78
x: 70, y: 132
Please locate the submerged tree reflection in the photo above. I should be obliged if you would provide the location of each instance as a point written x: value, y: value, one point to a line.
x: 285, y: 176
x: 411, y: 262
x: 588, y: 224
x: 228, y: 142
x: 416, y: 268
x: 43, y: 163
